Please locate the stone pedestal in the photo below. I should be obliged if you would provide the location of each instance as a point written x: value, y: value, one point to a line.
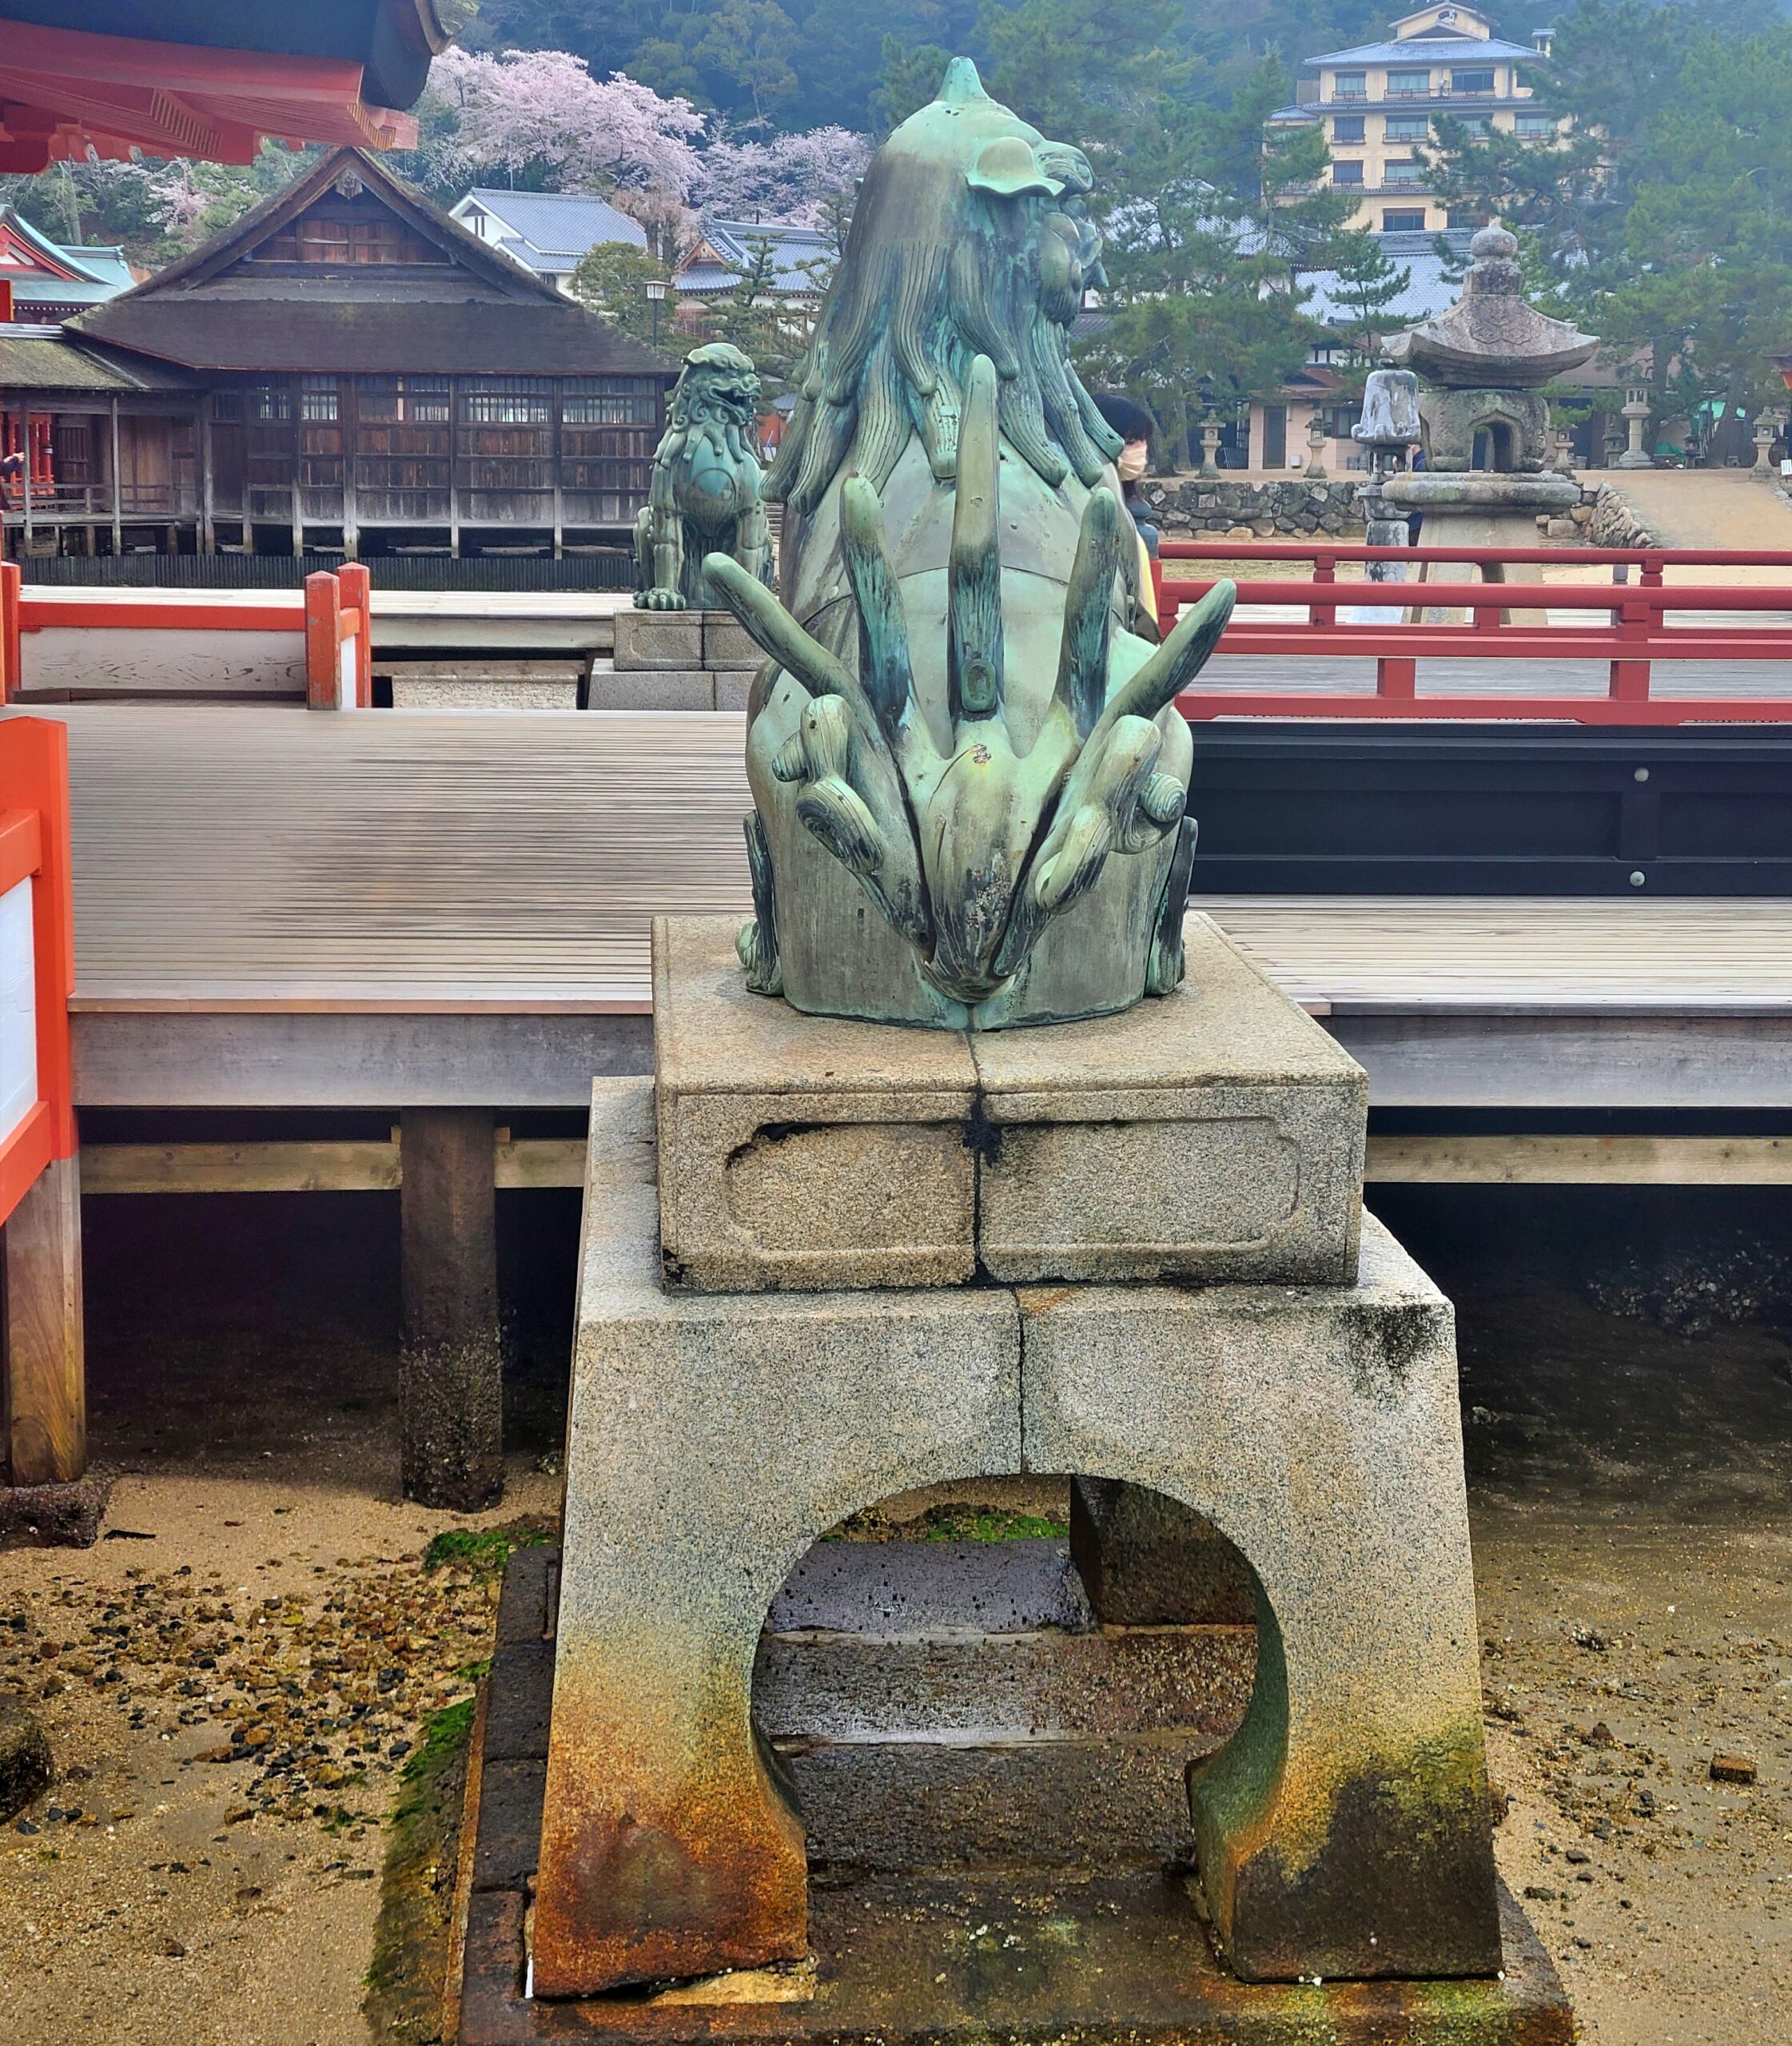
x: 676, y: 660
x: 1215, y: 1134
x: 714, y: 1437
x: 1132, y: 1250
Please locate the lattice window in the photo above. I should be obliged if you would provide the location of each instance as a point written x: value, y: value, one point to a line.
x: 507, y: 401
x: 404, y: 400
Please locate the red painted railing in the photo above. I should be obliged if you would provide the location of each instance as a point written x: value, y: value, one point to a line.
x: 1635, y: 636
x: 335, y: 619
x: 36, y: 954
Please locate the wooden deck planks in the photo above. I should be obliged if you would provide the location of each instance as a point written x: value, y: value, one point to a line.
x: 256, y: 859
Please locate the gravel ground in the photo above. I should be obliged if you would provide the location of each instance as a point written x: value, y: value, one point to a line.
x: 230, y: 1721
x: 1633, y: 1552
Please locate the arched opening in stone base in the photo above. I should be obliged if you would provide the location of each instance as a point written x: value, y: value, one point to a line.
x: 1010, y: 1675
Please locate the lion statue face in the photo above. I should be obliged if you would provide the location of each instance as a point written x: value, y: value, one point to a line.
x: 719, y: 384
x: 970, y: 237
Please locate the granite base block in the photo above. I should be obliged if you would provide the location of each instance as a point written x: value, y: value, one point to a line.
x: 650, y: 689
x: 1147, y: 1561
x: 1215, y: 1135
x: 1343, y: 1831
x: 665, y: 639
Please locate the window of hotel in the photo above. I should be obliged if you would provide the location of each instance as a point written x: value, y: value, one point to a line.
x: 1347, y: 173
x: 1347, y: 128
x: 1532, y: 125
x: 1350, y: 85
x: 1403, y: 220
x: 1473, y: 124
x: 1457, y: 217
x: 1408, y: 85
x: 1408, y: 127
x: 1471, y: 81
x: 1402, y: 170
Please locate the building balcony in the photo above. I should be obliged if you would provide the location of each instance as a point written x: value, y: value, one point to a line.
x: 1368, y: 103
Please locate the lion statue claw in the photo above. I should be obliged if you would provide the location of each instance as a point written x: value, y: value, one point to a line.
x: 704, y: 498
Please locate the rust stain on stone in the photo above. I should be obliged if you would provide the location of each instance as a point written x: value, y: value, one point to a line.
x: 667, y: 1850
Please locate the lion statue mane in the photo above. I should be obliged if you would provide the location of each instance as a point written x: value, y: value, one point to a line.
x: 964, y: 711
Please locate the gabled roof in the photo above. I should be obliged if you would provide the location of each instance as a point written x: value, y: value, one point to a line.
x: 475, y: 312
x: 43, y: 273
x: 1430, y: 49
x: 726, y: 249
x: 551, y: 233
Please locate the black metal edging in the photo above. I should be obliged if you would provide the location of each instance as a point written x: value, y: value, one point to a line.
x: 1312, y: 807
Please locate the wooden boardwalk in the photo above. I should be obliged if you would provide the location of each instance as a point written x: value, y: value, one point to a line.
x: 276, y: 908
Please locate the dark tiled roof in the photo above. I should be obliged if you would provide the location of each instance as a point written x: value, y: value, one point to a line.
x: 791, y: 247
x: 34, y: 358
x: 466, y: 336
x: 475, y: 313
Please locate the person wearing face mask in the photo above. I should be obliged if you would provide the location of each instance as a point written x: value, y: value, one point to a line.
x: 1133, y: 424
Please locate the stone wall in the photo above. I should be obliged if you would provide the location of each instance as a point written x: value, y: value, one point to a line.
x: 1187, y: 508
x: 1234, y: 508
x: 1615, y: 521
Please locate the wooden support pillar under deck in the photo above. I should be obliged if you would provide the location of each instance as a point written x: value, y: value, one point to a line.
x: 117, y: 486
x: 450, y: 1391
x: 41, y: 1333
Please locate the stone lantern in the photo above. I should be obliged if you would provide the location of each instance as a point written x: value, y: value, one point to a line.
x: 1636, y: 419
x: 1210, y: 448
x: 1485, y: 363
x: 1316, y: 438
x: 1768, y: 427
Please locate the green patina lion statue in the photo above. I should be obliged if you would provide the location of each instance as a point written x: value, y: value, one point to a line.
x: 968, y: 774
x: 704, y: 499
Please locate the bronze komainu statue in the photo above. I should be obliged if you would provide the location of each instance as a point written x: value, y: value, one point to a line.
x: 705, y: 494
x: 965, y: 717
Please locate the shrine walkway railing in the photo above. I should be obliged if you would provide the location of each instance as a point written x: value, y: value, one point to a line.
x: 1327, y: 618
x: 328, y: 635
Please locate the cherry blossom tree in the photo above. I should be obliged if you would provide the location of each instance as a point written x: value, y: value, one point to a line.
x: 801, y: 177
x: 540, y: 111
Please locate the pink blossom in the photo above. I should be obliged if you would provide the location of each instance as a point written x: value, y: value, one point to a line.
x: 789, y: 178
x: 530, y: 108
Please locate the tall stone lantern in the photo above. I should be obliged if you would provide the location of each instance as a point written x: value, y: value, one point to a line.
x: 1484, y: 364
x: 1636, y: 419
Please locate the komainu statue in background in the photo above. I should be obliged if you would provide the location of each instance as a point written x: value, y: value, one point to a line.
x: 966, y: 726
x: 705, y: 494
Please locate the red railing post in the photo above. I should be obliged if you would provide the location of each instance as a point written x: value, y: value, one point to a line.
x: 1325, y: 570
x: 12, y: 669
x: 323, y: 640
x: 357, y: 594
x: 43, y: 1408
x: 1630, y: 678
x: 1396, y: 679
